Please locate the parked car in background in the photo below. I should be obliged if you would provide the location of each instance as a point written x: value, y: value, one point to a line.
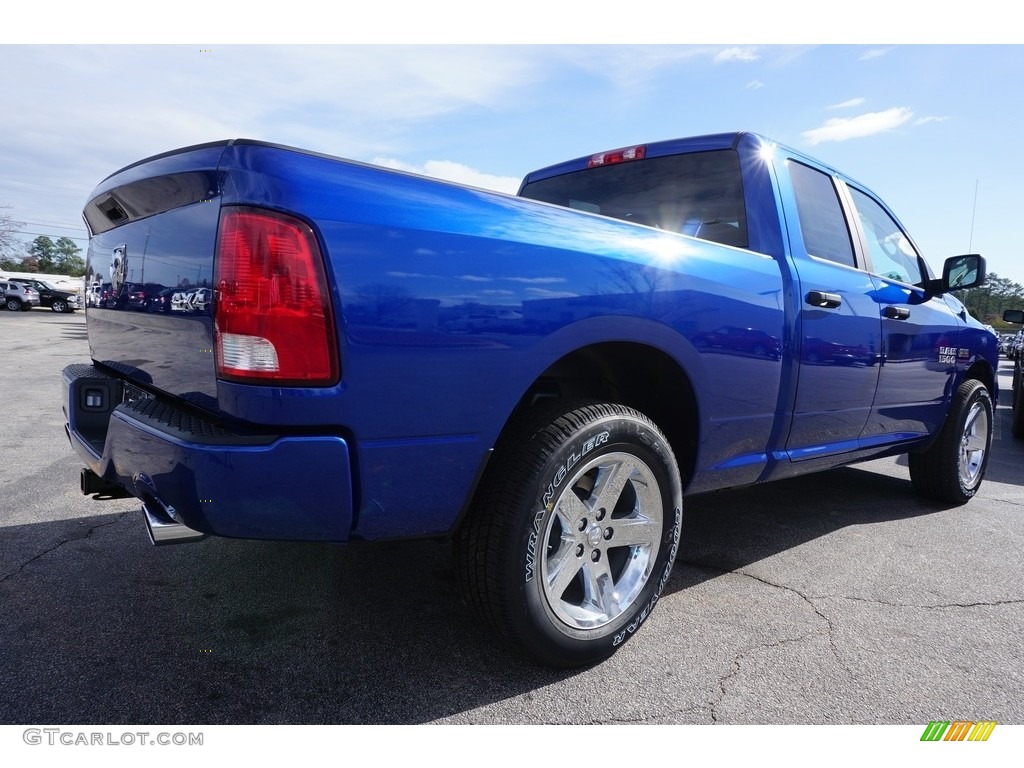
x: 1007, y: 347
x: 105, y: 295
x: 733, y: 339
x: 92, y: 295
x: 51, y: 296
x: 1014, y: 353
x: 162, y: 301
x: 1013, y: 349
x: 140, y: 294
x: 18, y: 296
x: 1003, y: 340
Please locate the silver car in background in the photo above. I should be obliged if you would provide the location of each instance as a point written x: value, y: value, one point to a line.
x: 18, y: 296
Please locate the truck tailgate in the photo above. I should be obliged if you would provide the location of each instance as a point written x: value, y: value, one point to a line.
x: 154, y: 230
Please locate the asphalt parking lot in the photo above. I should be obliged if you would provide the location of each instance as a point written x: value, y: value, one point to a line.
x: 832, y: 599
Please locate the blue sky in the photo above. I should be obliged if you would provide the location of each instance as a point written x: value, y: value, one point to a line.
x: 928, y: 127
x: 924, y: 126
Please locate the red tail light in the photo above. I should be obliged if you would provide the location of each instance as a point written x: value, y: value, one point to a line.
x: 618, y: 156
x: 274, y: 323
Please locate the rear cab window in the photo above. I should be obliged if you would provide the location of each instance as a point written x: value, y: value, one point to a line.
x: 697, y: 193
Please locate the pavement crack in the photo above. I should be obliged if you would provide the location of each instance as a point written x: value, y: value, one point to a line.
x: 807, y: 599
x: 934, y: 606
x: 723, y: 570
x: 818, y: 612
x: 88, y: 534
x: 737, y: 664
x: 828, y: 631
x: 656, y: 717
x: 829, y: 627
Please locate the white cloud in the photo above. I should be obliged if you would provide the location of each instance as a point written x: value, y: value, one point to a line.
x: 874, y: 53
x: 930, y: 119
x: 736, y: 54
x: 868, y: 124
x: 849, y: 103
x: 457, y: 172
x: 625, y: 65
x: 754, y: 85
x: 537, y: 280
x: 408, y: 274
x: 75, y: 114
x: 544, y: 293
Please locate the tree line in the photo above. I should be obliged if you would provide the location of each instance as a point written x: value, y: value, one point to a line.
x: 987, y: 302
x: 45, y: 255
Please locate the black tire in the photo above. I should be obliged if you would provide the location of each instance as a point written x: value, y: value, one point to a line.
x: 578, y: 497
x: 952, y: 468
x: 59, y: 305
x: 13, y: 305
x: 1015, y: 388
x: 1017, y: 414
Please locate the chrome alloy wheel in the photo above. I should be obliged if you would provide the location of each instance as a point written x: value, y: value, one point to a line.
x: 601, y: 540
x: 973, y: 445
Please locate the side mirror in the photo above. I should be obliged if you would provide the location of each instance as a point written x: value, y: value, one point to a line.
x: 967, y: 271
x: 1013, y: 316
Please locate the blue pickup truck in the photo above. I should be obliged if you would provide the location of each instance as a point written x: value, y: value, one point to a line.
x: 355, y: 353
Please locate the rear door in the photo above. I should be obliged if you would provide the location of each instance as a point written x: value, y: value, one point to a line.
x: 839, y: 326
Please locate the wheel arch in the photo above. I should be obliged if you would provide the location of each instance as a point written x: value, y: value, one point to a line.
x: 633, y: 374
x: 983, y: 372
x: 635, y: 361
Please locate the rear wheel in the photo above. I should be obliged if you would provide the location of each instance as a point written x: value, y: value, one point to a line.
x: 572, y: 537
x: 13, y: 305
x: 951, y: 469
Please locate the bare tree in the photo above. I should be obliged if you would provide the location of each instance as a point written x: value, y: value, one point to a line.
x: 10, y: 245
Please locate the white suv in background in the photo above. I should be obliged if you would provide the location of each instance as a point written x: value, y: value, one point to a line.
x: 17, y: 296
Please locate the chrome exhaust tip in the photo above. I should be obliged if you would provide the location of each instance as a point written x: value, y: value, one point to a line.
x: 164, y: 530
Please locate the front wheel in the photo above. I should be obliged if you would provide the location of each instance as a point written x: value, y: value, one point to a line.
x: 1017, y: 413
x: 59, y: 305
x: 572, y: 537
x: 1016, y: 386
x: 952, y: 468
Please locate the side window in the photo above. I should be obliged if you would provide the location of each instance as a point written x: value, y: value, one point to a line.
x: 822, y: 222
x: 892, y: 255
